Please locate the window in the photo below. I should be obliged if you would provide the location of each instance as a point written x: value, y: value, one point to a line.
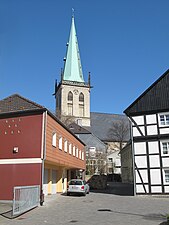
x: 165, y: 148
x: 110, y: 159
x: 70, y: 148
x: 81, y: 110
x: 70, y: 96
x: 77, y: 152
x: 60, y: 143
x: 82, y: 155
x: 166, y: 175
x: 79, y: 122
x: 74, y: 148
x: 164, y: 119
x: 54, y: 139
x: 65, y: 145
x: 81, y: 97
x: 70, y: 109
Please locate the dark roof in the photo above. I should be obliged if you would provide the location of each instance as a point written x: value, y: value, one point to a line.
x: 17, y: 103
x: 87, y: 137
x: 101, y: 123
x: 92, y: 141
x: 154, y: 99
x: 76, y: 129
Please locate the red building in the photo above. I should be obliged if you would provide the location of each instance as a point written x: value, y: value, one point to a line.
x: 35, y: 148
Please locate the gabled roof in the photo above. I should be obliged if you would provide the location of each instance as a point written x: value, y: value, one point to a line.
x: 101, y: 123
x: 87, y: 137
x: 17, y: 103
x: 73, y: 68
x: 154, y: 99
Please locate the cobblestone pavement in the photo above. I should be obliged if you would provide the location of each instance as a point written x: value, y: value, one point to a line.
x: 95, y: 209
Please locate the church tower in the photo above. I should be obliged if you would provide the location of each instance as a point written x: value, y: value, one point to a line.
x: 73, y: 93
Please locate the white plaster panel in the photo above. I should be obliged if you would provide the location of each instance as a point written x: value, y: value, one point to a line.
x: 152, y: 130
x: 166, y: 189
x: 141, y: 161
x: 164, y: 130
x: 157, y: 189
x: 155, y: 176
x: 154, y: 161
x: 139, y: 120
x: 165, y: 162
x: 140, y: 189
x: 137, y: 133
x: 153, y: 147
x: 140, y: 148
x: 142, y: 129
x: 144, y: 176
x: 151, y: 119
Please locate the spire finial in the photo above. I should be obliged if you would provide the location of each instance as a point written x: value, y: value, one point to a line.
x: 73, y: 12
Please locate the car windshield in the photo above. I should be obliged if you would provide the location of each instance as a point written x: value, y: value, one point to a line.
x: 75, y: 182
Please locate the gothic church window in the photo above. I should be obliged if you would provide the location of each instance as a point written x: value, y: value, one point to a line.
x: 70, y: 96
x: 81, y: 97
x: 70, y: 103
x: 81, y: 104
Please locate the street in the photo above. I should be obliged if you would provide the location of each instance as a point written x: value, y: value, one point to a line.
x: 96, y: 208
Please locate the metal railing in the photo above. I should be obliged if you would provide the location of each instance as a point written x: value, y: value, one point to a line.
x: 25, y: 198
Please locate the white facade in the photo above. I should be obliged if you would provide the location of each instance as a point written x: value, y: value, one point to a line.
x: 151, y: 153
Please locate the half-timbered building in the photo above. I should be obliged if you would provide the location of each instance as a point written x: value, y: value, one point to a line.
x: 149, y: 115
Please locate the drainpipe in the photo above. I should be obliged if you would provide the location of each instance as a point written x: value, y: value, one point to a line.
x: 43, y: 156
x: 133, y: 159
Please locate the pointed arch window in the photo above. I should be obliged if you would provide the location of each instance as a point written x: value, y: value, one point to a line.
x: 70, y: 96
x: 81, y: 97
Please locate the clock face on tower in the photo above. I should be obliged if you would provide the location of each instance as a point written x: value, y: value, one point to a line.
x: 75, y: 91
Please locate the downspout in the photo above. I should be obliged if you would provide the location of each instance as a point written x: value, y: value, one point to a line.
x: 43, y: 154
x: 133, y: 159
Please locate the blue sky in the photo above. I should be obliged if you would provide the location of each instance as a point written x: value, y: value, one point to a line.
x: 124, y: 44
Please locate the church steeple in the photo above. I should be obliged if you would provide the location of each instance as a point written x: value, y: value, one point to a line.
x: 73, y: 68
x: 73, y: 93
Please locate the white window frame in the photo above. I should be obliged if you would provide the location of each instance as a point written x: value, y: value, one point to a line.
x: 60, y: 142
x: 77, y: 152
x: 70, y: 148
x: 54, y: 139
x: 65, y: 145
x: 162, y: 147
x: 74, y: 150
x: 82, y: 155
x: 166, y: 120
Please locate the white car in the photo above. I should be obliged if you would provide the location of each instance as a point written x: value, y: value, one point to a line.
x: 78, y: 186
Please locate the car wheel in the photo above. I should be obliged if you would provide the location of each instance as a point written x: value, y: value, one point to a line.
x: 68, y: 193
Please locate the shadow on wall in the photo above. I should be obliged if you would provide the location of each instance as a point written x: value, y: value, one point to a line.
x: 101, y: 184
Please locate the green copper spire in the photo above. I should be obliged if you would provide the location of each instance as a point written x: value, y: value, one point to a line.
x: 73, y: 68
